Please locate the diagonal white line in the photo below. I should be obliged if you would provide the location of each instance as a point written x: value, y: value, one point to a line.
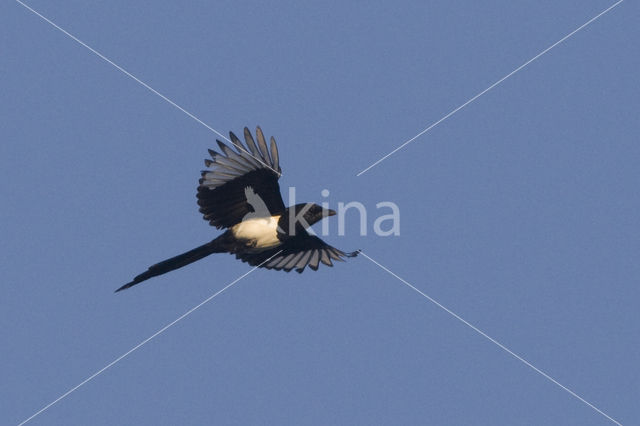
x: 490, y: 87
x: 492, y: 340
x: 136, y: 79
x: 139, y: 345
x: 119, y: 68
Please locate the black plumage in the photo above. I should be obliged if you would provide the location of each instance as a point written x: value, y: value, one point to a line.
x: 239, y: 192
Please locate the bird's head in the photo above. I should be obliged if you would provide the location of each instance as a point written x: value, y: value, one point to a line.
x: 302, y: 216
x: 314, y: 213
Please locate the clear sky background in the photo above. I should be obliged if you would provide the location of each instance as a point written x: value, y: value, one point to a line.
x: 519, y: 212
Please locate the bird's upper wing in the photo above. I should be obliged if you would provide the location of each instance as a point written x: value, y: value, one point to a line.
x: 296, y: 253
x: 221, y: 193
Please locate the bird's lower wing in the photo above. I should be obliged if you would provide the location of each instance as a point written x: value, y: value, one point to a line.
x: 297, y: 253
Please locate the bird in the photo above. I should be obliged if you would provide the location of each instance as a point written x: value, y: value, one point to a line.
x: 239, y: 192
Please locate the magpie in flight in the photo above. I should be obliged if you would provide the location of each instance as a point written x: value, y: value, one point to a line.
x: 239, y: 191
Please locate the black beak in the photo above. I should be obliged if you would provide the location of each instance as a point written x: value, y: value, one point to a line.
x: 329, y: 213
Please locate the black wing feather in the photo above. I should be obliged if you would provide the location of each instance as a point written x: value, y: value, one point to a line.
x: 296, y: 253
x: 221, y: 193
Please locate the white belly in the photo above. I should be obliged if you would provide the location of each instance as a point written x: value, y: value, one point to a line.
x: 260, y: 232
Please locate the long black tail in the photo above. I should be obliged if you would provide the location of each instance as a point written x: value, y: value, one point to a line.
x: 178, y: 261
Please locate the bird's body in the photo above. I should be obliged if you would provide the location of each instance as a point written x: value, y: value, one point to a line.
x: 260, y: 233
x: 241, y: 193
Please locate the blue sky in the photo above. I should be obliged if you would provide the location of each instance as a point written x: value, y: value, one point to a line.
x: 519, y: 212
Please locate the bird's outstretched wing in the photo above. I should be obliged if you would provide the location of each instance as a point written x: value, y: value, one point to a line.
x: 297, y: 253
x: 221, y: 193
